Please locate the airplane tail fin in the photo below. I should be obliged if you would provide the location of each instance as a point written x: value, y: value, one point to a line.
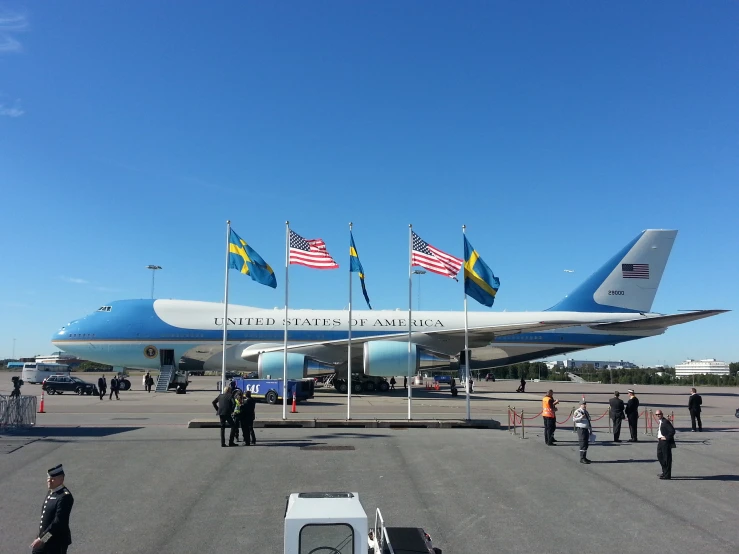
x: 628, y: 281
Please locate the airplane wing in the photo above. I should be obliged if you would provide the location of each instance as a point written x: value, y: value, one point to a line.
x: 658, y: 322
x: 477, y: 337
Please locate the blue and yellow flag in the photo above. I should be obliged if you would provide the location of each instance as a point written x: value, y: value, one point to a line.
x: 356, y: 266
x: 248, y: 262
x: 479, y: 281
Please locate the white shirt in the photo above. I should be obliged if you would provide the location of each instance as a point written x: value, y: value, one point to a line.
x: 659, y: 431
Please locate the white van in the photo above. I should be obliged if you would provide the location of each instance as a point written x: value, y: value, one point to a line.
x: 35, y: 373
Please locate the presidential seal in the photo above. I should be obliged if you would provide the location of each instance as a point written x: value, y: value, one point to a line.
x: 151, y: 352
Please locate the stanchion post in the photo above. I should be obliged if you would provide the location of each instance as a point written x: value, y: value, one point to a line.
x: 523, y: 427
x: 514, y: 421
x: 646, y: 423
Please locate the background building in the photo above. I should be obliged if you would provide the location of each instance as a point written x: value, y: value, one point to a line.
x: 709, y: 366
x: 587, y: 364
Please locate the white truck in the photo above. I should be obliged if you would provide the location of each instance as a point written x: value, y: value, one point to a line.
x: 336, y: 523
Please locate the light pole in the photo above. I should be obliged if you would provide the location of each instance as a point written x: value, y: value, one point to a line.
x: 419, y: 272
x: 153, y: 272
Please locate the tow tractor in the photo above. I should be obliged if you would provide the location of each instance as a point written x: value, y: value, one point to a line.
x: 336, y: 523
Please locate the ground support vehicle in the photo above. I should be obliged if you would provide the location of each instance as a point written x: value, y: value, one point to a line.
x: 361, y: 383
x: 59, y: 384
x: 271, y: 390
x: 336, y: 523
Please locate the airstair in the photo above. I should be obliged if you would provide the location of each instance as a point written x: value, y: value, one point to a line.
x: 165, y: 376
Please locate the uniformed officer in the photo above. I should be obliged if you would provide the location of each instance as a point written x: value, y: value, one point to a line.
x: 581, y: 417
x: 54, y: 536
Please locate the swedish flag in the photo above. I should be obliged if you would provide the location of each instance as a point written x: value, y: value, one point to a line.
x: 247, y: 261
x: 356, y: 266
x: 479, y: 281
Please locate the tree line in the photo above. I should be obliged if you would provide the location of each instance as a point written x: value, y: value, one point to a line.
x: 627, y: 376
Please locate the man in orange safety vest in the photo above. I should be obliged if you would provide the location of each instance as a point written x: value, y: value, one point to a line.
x: 548, y: 407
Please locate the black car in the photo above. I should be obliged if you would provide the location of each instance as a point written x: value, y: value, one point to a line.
x: 59, y: 384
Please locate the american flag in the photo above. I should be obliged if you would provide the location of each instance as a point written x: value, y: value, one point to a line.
x: 635, y: 271
x: 310, y: 252
x: 434, y: 259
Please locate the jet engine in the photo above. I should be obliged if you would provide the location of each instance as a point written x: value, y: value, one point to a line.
x: 299, y: 366
x: 386, y: 358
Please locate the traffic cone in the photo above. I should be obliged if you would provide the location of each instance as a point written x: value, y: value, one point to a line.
x: 41, y: 406
x: 437, y: 385
x: 295, y: 405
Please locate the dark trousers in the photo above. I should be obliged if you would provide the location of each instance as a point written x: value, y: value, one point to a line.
x: 227, y: 421
x: 51, y: 549
x: 102, y: 392
x: 550, y: 424
x: 696, y: 416
x: 617, y: 428
x: 583, y: 438
x: 148, y: 387
x: 664, y: 455
x: 247, y: 428
x: 113, y: 391
x: 633, y: 422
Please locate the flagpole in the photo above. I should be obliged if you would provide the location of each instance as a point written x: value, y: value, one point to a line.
x: 225, y: 306
x: 410, y: 307
x: 349, y: 353
x: 284, y: 358
x: 466, y: 338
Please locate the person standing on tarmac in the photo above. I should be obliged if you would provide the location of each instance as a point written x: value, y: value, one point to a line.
x: 54, y: 535
x: 224, y: 406
x: 694, y: 407
x: 617, y: 415
x: 632, y: 414
x: 237, y: 413
x: 102, y: 386
x: 548, y: 407
x: 247, y: 419
x: 581, y: 417
x: 665, y: 444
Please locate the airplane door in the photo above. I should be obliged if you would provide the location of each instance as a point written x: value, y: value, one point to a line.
x: 166, y: 357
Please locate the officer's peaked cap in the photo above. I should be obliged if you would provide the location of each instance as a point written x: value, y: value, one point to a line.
x: 56, y: 470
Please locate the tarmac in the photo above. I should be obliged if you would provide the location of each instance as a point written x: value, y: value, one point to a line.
x: 144, y: 482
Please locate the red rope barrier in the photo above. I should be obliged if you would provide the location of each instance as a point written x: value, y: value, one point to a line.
x: 565, y: 421
x: 601, y: 417
x: 537, y: 415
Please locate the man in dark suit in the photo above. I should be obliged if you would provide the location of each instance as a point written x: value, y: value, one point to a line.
x: 665, y: 444
x: 224, y: 405
x: 632, y: 414
x: 617, y: 415
x: 694, y: 406
x: 102, y: 386
x: 247, y: 419
x: 114, y: 388
x: 54, y: 536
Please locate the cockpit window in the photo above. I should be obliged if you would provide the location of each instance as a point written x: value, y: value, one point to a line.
x: 104, y: 309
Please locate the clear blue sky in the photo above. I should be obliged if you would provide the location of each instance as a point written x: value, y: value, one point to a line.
x: 556, y: 131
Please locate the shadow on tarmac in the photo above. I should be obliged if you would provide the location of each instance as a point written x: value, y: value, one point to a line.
x: 47, y: 432
x: 709, y: 478
x: 650, y: 461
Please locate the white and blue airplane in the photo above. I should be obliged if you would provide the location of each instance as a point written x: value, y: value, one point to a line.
x: 611, y: 307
